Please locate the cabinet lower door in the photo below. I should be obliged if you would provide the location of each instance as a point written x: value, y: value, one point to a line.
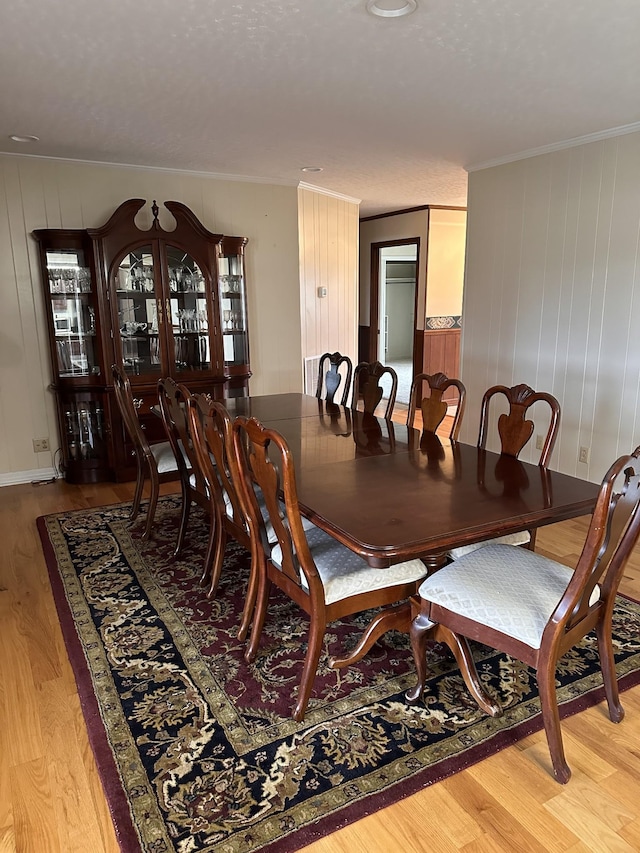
x: 83, y: 437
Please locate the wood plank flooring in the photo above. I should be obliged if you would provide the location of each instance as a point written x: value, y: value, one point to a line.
x: 51, y: 799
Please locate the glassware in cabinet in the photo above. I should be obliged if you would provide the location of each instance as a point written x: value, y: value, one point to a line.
x: 188, y: 312
x: 83, y: 435
x: 72, y: 313
x: 233, y: 305
x: 137, y: 301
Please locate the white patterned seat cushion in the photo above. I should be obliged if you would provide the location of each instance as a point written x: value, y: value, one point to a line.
x: 520, y: 538
x: 344, y: 573
x: 163, y: 454
x: 510, y: 589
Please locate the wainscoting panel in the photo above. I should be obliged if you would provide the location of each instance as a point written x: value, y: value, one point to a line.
x: 441, y: 354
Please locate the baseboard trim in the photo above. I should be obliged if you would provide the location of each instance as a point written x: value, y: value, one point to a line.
x: 14, y: 478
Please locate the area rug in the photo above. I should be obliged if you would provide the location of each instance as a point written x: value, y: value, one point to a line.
x: 197, y: 750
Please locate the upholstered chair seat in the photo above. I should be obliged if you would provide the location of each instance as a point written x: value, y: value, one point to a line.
x: 512, y: 591
x: 163, y: 454
x: 344, y: 573
x: 521, y: 538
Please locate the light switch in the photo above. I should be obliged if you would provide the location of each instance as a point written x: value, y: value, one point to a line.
x: 322, y: 292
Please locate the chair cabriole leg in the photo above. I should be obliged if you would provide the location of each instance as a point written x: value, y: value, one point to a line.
x: 608, y: 667
x: 551, y: 720
x: 184, y: 521
x: 153, y: 502
x: 314, y: 647
x: 264, y: 587
x: 218, y: 559
x: 137, y: 497
x: 250, y: 599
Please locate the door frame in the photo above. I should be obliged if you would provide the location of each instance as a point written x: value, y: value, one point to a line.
x: 374, y: 301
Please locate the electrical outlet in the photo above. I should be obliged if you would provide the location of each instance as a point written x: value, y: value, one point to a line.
x: 40, y: 445
x: 583, y: 455
x: 539, y: 442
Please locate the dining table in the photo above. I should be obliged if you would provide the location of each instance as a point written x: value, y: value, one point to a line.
x: 392, y: 493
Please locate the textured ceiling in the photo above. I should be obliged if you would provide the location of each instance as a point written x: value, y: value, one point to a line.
x: 393, y: 110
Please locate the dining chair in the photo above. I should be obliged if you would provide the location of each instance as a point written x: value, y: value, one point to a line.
x: 335, y: 370
x: 367, y: 387
x: 326, y: 579
x: 211, y: 430
x: 515, y: 431
x: 533, y: 608
x: 173, y: 400
x: 432, y: 407
x: 155, y: 460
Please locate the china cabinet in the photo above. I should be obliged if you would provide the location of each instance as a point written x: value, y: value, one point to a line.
x: 160, y: 303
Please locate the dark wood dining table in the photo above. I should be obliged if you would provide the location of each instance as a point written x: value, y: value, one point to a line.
x: 391, y: 493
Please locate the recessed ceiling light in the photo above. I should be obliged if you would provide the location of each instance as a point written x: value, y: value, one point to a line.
x: 391, y: 8
x: 311, y: 169
x: 17, y: 138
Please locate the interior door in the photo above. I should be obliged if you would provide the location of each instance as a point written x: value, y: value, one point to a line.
x: 394, y: 309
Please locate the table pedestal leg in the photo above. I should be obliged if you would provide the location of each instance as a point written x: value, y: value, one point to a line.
x: 397, y: 618
x: 433, y: 562
x: 424, y: 630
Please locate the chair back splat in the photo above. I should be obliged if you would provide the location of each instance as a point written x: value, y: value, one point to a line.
x: 321, y: 575
x: 432, y: 407
x: 514, y: 429
x: 533, y: 608
x: 367, y: 388
x: 334, y: 369
x: 156, y: 460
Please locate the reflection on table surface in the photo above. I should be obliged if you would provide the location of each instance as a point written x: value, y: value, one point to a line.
x: 274, y: 406
x: 419, y: 502
x: 391, y: 492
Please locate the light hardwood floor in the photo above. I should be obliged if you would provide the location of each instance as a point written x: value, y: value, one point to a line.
x: 50, y: 793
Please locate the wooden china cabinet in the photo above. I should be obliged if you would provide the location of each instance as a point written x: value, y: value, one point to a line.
x: 161, y: 303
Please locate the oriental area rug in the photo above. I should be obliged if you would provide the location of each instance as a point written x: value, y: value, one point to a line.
x: 197, y: 750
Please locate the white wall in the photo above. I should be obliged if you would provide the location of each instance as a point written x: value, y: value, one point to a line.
x: 551, y: 293
x: 328, y: 229
x: 39, y: 193
x: 445, y: 264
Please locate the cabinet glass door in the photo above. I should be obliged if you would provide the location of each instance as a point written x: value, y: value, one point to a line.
x: 233, y: 308
x: 73, y: 312
x: 188, y: 312
x: 137, y: 312
x: 84, y: 430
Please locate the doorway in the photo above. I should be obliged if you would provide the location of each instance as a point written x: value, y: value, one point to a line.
x: 394, y: 272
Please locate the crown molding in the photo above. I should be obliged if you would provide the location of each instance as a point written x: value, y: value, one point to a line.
x: 557, y: 146
x: 302, y: 185
x: 166, y: 170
